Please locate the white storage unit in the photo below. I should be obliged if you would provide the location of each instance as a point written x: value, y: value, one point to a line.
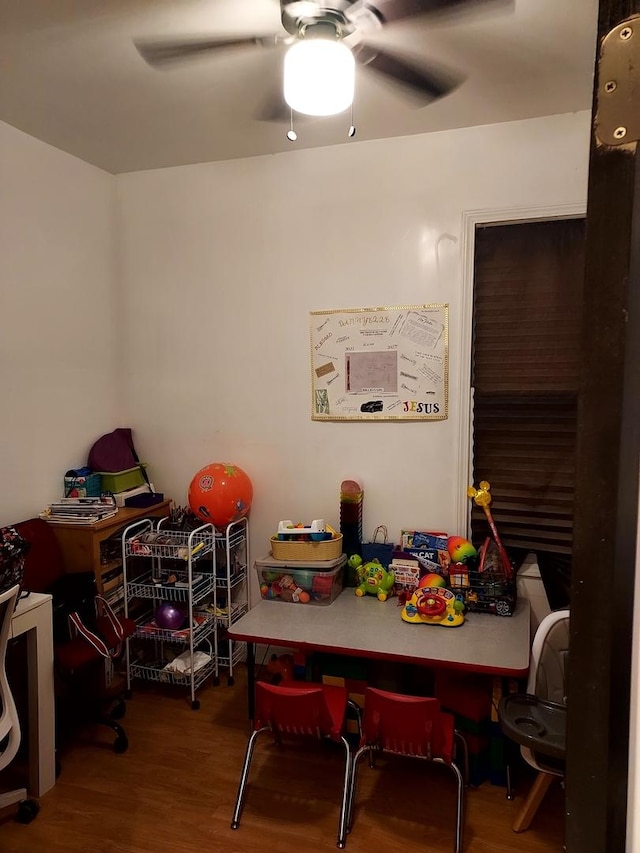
x: 232, y: 594
x: 178, y: 567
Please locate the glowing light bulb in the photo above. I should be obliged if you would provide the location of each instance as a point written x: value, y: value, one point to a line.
x: 319, y: 77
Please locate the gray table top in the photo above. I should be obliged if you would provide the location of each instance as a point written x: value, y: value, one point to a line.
x: 366, y: 627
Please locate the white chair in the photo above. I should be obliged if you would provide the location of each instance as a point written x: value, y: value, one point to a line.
x: 9, y: 723
x: 536, y: 720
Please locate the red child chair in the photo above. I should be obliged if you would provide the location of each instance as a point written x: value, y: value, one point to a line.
x: 302, y: 710
x: 412, y: 726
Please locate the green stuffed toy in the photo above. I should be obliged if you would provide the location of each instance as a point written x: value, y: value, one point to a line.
x: 374, y: 580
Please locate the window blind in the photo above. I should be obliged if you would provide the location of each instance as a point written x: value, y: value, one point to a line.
x: 525, y: 371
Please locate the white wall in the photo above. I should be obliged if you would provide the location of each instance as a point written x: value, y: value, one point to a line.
x: 222, y: 263
x: 57, y: 322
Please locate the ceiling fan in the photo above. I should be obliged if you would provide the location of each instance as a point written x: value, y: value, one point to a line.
x: 338, y: 28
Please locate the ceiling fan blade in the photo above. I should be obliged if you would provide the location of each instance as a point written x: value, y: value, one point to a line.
x: 428, y: 84
x: 388, y: 11
x: 160, y: 53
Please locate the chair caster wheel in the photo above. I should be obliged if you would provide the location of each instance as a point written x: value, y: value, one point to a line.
x: 231, y: 681
x: 195, y: 705
x: 120, y: 744
x: 27, y: 811
x: 216, y: 681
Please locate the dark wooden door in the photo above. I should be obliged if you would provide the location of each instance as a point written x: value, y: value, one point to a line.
x: 606, y: 499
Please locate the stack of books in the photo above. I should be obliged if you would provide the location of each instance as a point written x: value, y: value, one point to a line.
x: 79, y: 510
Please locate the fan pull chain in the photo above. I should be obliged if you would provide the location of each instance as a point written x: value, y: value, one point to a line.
x: 352, y: 128
x: 291, y: 134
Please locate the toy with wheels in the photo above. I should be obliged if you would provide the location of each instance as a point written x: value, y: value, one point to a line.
x: 433, y: 605
x: 220, y: 493
x: 374, y: 579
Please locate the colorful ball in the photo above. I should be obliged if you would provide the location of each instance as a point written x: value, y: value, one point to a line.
x: 220, y: 493
x: 169, y: 616
x: 431, y: 579
x: 460, y: 549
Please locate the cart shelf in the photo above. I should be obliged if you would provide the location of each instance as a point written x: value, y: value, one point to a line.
x: 147, y: 585
x: 154, y: 670
x: 204, y: 624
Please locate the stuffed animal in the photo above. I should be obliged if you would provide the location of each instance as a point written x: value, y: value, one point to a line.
x: 374, y: 580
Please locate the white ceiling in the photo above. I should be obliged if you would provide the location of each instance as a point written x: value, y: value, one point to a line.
x: 71, y: 76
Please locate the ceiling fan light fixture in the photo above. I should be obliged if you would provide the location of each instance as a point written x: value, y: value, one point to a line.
x: 319, y: 77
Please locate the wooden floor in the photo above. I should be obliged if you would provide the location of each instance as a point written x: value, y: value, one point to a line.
x: 175, y: 787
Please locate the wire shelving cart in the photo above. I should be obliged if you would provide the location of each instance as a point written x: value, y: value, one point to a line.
x: 180, y: 568
x: 232, y: 596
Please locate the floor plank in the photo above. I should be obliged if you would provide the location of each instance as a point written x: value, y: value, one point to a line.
x: 175, y: 787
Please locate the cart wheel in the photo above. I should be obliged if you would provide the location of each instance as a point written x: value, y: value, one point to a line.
x: 119, y: 710
x: 195, y: 705
x: 121, y: 744
x: 216, y: 680
x: 231, y: 681
x: 27, y: 811
x: 503, y: 608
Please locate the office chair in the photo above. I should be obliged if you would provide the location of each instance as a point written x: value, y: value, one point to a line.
x: 302, y: 710
x: 537, y: 719
x: 411, y: 726
x: 78, y: 660
x: 9, y: 723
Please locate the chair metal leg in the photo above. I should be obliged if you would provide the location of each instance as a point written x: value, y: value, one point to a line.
x: 459, y: 809
x: 353, y: 783
x: 509, y: 794
x: 244, y: 776
x: 346, y: 788
x: 457, y: 846
x: 465, y: 756
x: 358, y: 712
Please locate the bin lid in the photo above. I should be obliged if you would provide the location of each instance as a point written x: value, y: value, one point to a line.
x: 309, y: 565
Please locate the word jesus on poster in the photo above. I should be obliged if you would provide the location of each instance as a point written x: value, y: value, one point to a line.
x: 380, y: 363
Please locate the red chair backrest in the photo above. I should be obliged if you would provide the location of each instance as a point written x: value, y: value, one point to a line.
x: 408, y: 725
x: 293, y: 710
x: 44, y: 563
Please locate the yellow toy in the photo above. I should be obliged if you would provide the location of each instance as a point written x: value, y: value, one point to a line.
x: 433, y: 605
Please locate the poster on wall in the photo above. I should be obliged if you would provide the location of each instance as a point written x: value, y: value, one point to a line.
x: 380, y: 363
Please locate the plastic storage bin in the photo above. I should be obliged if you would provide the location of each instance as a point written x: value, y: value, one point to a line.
x: 120, y: 481
x: 300, y: 582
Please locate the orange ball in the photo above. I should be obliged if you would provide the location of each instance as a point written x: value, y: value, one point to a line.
x: 431, y: 579
x: 304, y: 597
x: 220, y: 493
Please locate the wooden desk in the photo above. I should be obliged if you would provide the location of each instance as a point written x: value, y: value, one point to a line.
x: 366, y: 627
x: 81, y: 543
x: 32, y: 617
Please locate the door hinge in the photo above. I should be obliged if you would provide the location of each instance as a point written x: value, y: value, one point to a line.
x: 617, y: 119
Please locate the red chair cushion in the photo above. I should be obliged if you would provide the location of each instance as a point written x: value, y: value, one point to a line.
x: 78, y: 652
